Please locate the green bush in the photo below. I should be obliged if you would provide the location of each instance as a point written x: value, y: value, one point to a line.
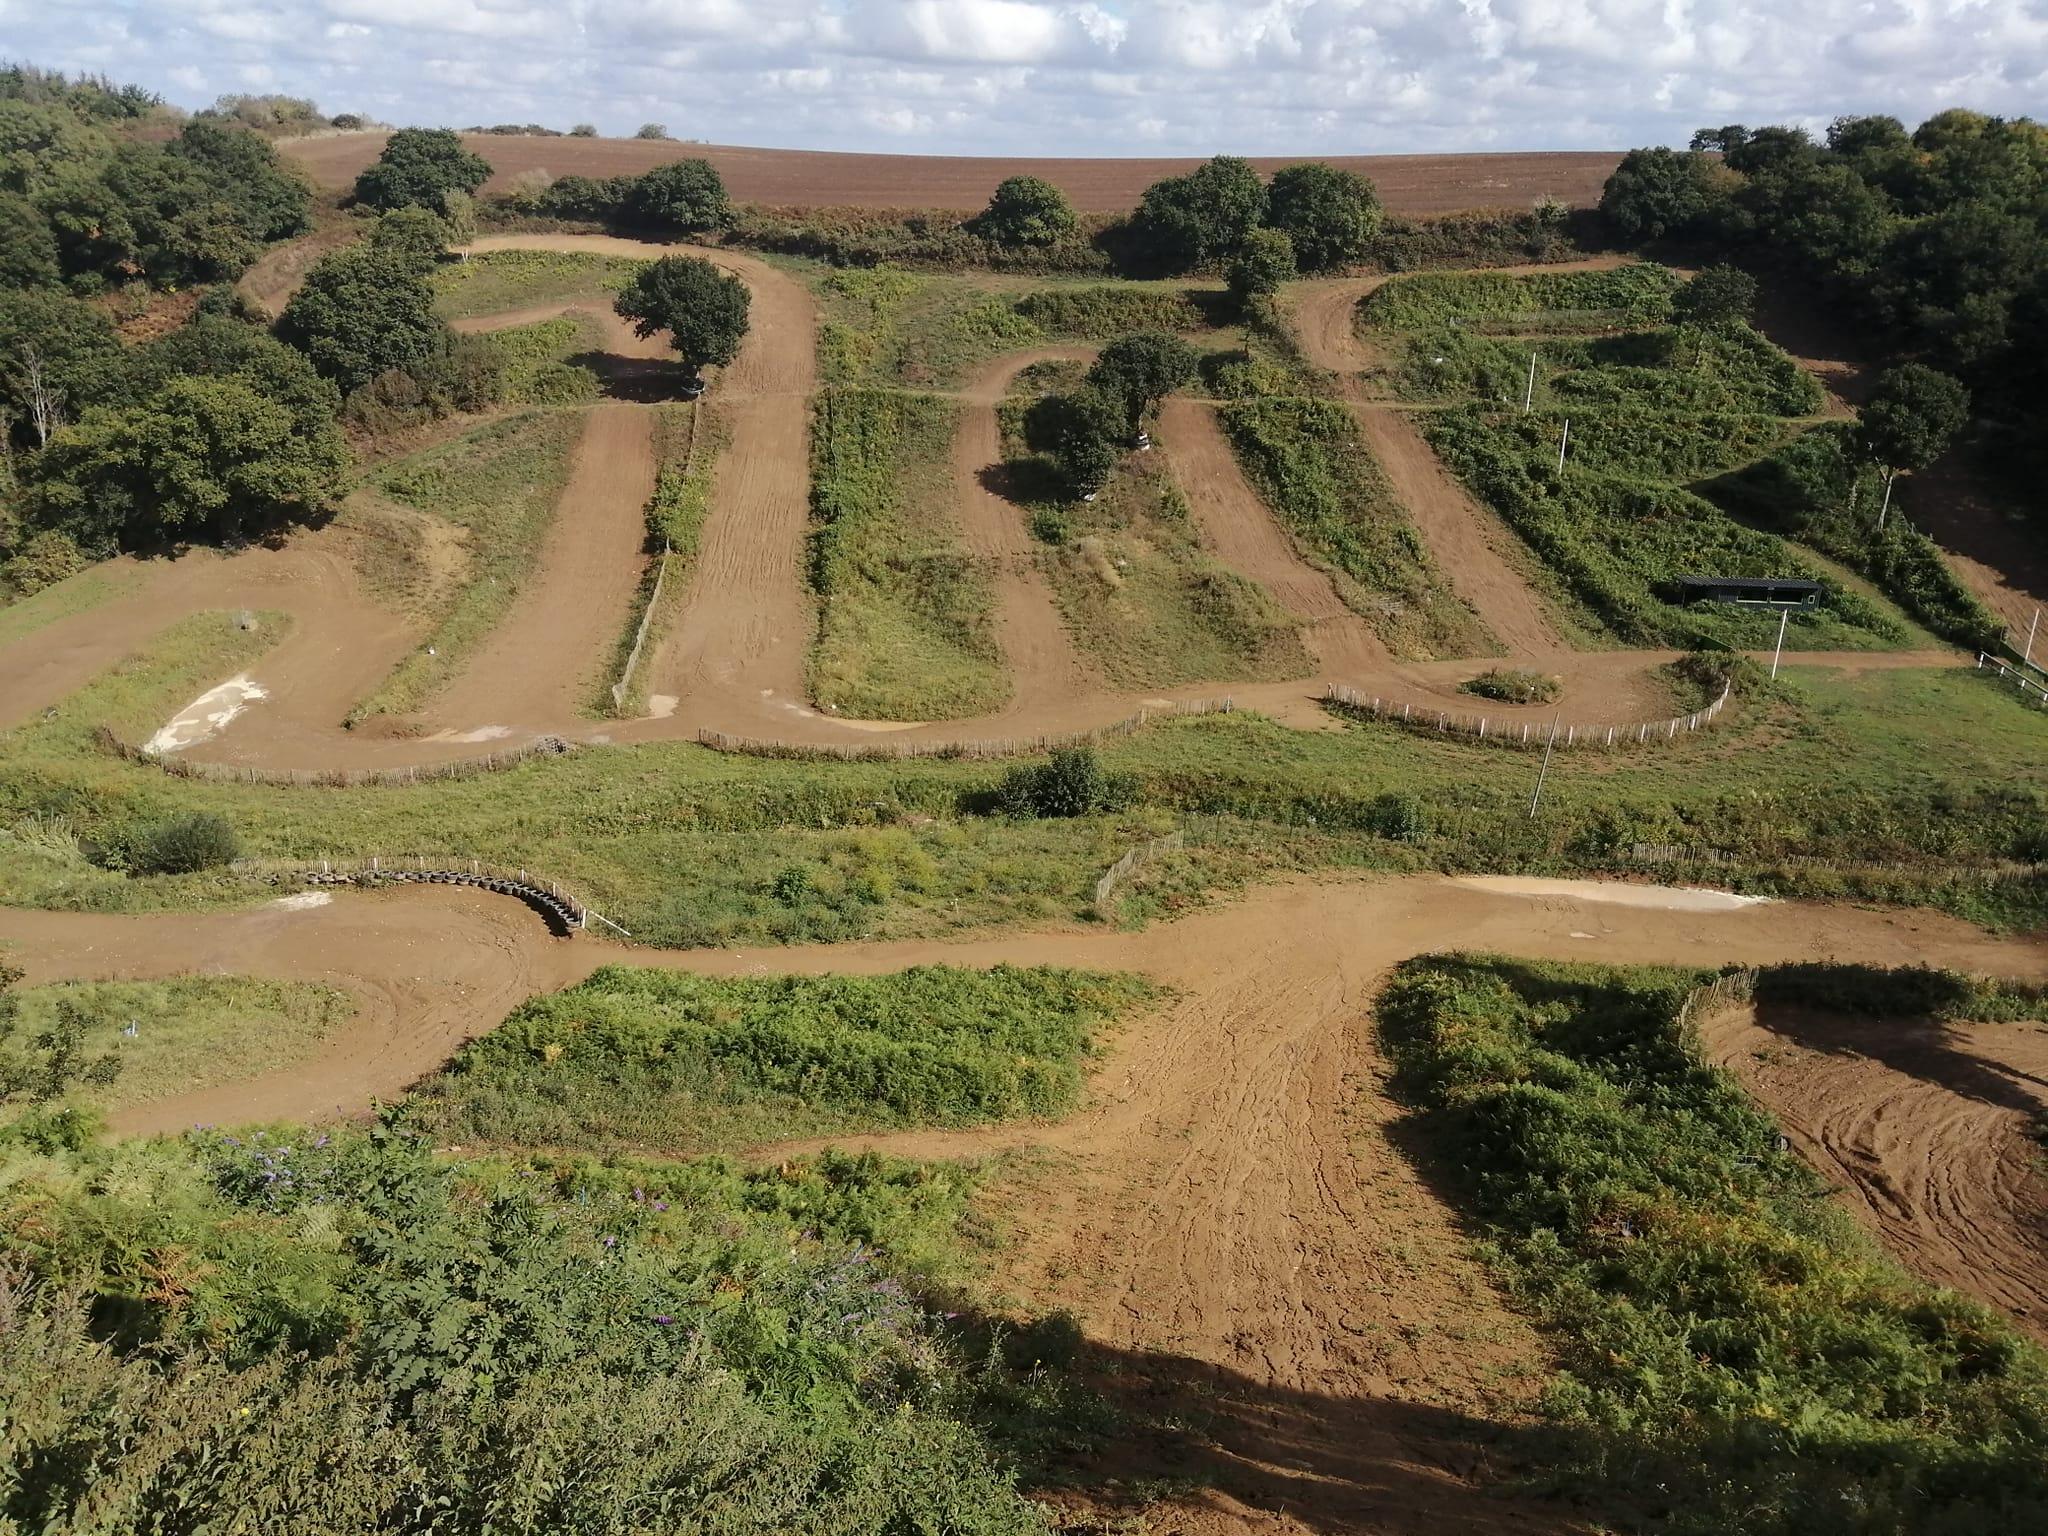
x: 1070, y: 783
x: 1637, y: 294
x: 1735, y: 1353
x: 1514, y: 685
x: 187, y: 844
x: 1093, y: 313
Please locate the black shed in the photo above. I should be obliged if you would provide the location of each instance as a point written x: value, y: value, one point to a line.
x: 1760, y: 591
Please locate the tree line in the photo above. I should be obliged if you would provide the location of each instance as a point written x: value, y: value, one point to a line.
x: 1934, y: 241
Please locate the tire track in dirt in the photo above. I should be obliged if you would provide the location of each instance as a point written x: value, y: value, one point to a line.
x: 1038, y: 652
x: 541, y: 660
x: 1226, y: 1207
x: 1926, y: 1130
x: 1241, y: 531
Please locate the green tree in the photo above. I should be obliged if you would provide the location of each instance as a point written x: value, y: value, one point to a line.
x: 1140, y: 369
x: 361, y: 311
x: 1085, y: 432
x: 703, y: 309
x: 271, y: 201
x: 1912, y: 415
x: 1769, y: 148
x: 217, y: 347
x: 145, y: 212
x: 1204, y: 216
x: 421, y: 166
x: 1256, y: 272
x: 28, y: 251
x: 36, y: 142
x: 687, y: 195
x: 1658, y: 192
x: 651, y: 131
x: 1718, y: 298
x: 1330, y: 215
x: 1026, y: 210
x: 58, y: 355
x: 55, y: 1059
x: 416, y: 234
x: 201, y: 458
x: 1722, y: 139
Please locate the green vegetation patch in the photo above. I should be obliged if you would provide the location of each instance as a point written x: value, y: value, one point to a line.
x: 1736, y: 1353
x: 22, y: 617
x: 498, y: 484
x: 1309, y: 464
x: 533, y: 1345
x: 493, y: 282
x: 657, y: 1061
x: 189, y: 1032
x: 906, y: 628
x: 1636, y: 294
x: 534, y: 360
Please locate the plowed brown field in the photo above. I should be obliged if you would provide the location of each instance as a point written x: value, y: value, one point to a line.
x: 802, y: 178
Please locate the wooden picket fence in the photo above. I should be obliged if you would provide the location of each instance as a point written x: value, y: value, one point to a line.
x: 1733, y: 988
x: 1521, y: 731
x: 1133, y: 860
x: 1007, y: 746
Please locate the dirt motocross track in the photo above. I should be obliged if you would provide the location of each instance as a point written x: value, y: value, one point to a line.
x: 1226, y: 1215
x: 797, y: 178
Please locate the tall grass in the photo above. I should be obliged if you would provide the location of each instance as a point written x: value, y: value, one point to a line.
x: 493, y: 282
x: 1735, y: 1353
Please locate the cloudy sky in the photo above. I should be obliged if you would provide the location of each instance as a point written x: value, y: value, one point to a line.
x: 1051, y: 77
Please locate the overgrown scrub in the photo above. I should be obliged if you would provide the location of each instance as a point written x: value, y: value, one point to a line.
x: 1736, y: 1354
x: 492, y: 282
x: 1095, y: 313
x: 1514, y: 685
x: 1628, y: 296
x: 906, y: 628
x: 1309, y: 464
x: 666, y: 1062
x: 533, y: 361
x: 498, y: 484
x: 470, y: 1347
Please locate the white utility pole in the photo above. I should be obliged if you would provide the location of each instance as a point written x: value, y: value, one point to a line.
x: 2027, y: 656
x: 1563, y: 438
x: 1784, y: 614
x: 1889, y: 476
x: 1542, y: 773
x: 1529, y: 393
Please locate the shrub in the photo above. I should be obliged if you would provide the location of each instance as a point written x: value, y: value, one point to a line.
x: 1070, y: 783
x: 1404, y: 818
x: 44, y: 558
x: 1026, y: 211
x: 187, y: 844
x: 1257, y: 271
x: 1514, y: 686
x: 651, y: 131
x: 684, y: 195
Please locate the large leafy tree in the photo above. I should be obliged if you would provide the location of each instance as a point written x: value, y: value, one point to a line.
x: 147, y: 213
x: 1658, y: 192
x: 421, y: 166
x: 1257, y: 271
x: 684, y: 195
x: 703, y: 309
x: 216, y: 347
x: 200, y: 458
x: 1026, y: 210
x: 271, y: 201
x: 1718, y: 298
x: 1204, y: 216
x: 362, y: 311
x: 38, y: 141
x: 28, y: 251
x: 1912, y: 415
x: 1141, y: 369
x: 57, y: 356
x: 1329, y: 215
x: 1085, y: 431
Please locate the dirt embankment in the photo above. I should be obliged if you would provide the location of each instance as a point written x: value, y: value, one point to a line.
x: 799, y: 178
x: 1228, y: 1216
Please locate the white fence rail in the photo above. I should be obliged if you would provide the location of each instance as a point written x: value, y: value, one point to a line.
x: 1522, y: 730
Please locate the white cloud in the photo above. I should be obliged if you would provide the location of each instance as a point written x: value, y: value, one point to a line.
x: 1078, y: 76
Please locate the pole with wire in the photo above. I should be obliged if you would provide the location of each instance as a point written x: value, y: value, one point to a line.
x: 1563, y: 438
x: 2027, y: 656
x: 1784, y: 616
x: 1543, y: 773
x: 1529, y: 390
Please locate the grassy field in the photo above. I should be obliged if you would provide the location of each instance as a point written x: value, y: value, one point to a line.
x: 497, y: 485
x: 191, y: 1032
x: 1735, y: 1352
x: 497, y: 281
x: 685, y: 846
x: 654, y: 1061
x: 906, y: 620
x: 88, y: 589
x: 1307, y: 461
x: 889, y: 328
x: 536, y: 360
x: 1655, y: 414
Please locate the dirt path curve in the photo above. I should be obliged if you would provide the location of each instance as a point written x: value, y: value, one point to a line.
x: 1487, y: 564
x: 542, y: 660
x: 1241, y: 531
x: 1044, y: 668
x: 1226, y: 1206
x: 1927, y: 1130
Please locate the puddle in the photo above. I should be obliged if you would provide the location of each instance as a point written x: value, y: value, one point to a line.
x: 208, y: 715
x: 1667, y: 898
x: 481, y: 733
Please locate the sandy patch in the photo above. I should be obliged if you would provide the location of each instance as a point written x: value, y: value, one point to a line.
x: 206, y: 716
x: 1664, y: 898
x: 305, y: 901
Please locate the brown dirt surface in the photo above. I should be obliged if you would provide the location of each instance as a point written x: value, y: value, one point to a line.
x: 1926, y: 1128
x: 1037, y: 650
x: 1239, y: 529
x: 540, y: 661
x: 1228, y: 1215
x: 798, y: 178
